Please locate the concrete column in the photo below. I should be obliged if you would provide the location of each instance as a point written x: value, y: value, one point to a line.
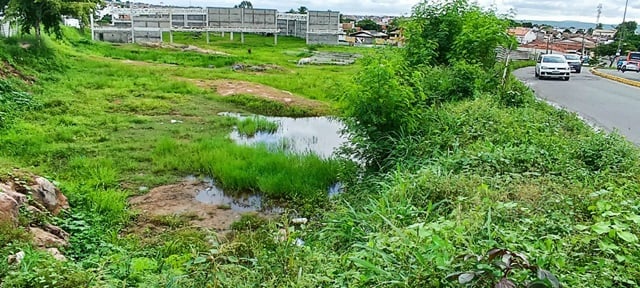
x: 93, y: 36
x: 275, y: 38
x: 231, y: 37
x: 222, y: 34
x: 207, y: 36
x: 171, y: 36
x: 242, y: 37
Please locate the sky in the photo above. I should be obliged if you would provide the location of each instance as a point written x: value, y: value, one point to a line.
x: 558, y: 10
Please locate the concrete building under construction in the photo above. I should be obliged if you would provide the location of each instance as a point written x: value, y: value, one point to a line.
x: 148, y: 24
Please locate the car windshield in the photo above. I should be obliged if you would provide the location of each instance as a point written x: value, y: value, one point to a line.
x: 553, y: 59
x: 634, y: 56
x: 572, y: 57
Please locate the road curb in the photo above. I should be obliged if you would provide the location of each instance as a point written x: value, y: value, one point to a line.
x: 615, y: 78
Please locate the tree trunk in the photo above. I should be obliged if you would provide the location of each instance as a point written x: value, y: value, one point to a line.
x: 38, y: 30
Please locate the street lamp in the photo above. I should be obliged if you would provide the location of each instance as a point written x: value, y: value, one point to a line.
x: 624, y: 17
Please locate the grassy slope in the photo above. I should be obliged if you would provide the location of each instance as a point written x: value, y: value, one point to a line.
x: 532, y: 179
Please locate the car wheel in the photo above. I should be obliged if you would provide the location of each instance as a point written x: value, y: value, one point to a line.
x: 536, y: 74
x: 578, y: 71
x: 566, y: 79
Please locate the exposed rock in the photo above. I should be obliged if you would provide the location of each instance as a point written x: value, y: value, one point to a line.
x: 15, y: 258
x: 55, y: 230
x: 56, y: 254
x: 8, y: 209
x: 43, y: 238
x: 299, y: 220
x: 49, y: 196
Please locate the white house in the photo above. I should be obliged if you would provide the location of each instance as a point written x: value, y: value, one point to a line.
x: 523, y: 35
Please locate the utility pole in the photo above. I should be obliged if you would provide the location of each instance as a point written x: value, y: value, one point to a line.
x: 624, y: 17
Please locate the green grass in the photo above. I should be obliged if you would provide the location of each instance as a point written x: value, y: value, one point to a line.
x: 244, y: 168
x: 480, y: 173
x: 252, y: 125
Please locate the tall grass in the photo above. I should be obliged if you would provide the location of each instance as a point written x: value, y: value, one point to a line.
x: 252, y: 125
x: 277, y: 174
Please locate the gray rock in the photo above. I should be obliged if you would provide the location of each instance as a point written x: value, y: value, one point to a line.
x: 8, y: 209
x: 56, y: 254
x: 49, y: 195
x: 15, y: 258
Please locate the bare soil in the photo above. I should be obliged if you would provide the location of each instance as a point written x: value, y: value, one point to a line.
x: 7, y: 70
x: 227, y: 87
x: 180, y: 200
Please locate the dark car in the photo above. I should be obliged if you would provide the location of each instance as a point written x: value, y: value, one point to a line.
x: 574, y: 62
x: 620, y: 64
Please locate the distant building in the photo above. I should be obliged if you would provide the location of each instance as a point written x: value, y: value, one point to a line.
x: 604, y: 33
x: 369, y: 37
x: 523, y: 35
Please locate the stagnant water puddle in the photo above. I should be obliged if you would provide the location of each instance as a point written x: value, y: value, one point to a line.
x: 243, y: 201
x: 240, y: 202
x: 318, y: 135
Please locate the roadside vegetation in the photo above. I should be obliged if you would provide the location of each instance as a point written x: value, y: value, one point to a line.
x: 454, y: 160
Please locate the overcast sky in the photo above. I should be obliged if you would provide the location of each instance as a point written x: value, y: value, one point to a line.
x: 584, y: 10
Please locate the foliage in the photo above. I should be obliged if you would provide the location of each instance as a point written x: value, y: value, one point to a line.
x: 442, y: 32
x: 244, y: 4
x: 47, y: 13
x: 500, y: 263
x: 368, y: 24
x: 467, y: 170
x: 13, y: 102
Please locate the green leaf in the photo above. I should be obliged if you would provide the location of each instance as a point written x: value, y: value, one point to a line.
x: 368, y: 265
x: 465, y: 278
x: 627, y: 236
x: 546, y: 275
x: 635, y: 218
x: 601, y: 227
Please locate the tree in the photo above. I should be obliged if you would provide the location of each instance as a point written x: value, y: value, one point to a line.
x: 302, y: 10
x: 368, y: 24
x: 627, y: 28
x: 599, y: 26
x: 291, y: 11
x: 590, y: 31
x: 442, y: 32
x: 244, y: 4
x: 34, y: 15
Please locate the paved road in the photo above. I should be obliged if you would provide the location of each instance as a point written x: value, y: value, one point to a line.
x: 627, y: 75
x: 603, y: 102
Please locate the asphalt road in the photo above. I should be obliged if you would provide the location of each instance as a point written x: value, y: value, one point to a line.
x: 604, y: 103
x: 631, y: 75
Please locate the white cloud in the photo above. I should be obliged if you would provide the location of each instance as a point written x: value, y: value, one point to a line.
x: 584, y: 10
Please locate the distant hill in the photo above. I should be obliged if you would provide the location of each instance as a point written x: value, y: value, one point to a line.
x: 568, y: 24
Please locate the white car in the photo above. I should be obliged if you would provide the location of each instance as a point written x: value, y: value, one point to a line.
x: 553, y: 66
x: 630, y: 66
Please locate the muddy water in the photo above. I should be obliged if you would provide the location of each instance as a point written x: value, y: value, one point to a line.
x: 243, y: 202
x: 318, y: 135
x: 239, y: 202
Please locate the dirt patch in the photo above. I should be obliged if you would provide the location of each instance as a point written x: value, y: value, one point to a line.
x: 180, y: 200
x: 255, y: 68
x: 7, y: 70
x: 226, y: 87
x: 182, y: 47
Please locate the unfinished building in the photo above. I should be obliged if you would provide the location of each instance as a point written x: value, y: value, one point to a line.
x: 149, y: 24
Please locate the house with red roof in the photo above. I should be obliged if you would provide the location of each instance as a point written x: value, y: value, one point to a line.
x: 523, y: 35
